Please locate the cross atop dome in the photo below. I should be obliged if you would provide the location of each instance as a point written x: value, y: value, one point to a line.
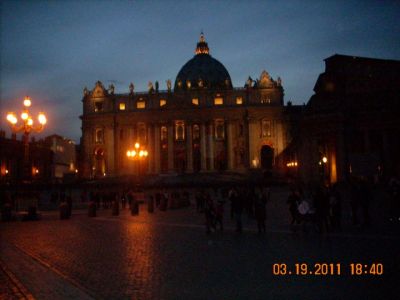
x: 202, y: 46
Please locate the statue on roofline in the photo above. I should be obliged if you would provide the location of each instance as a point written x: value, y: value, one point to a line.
x: 111, y: 88
x: 131, y: 88
x: 150, y: 87
x: 169, y: 85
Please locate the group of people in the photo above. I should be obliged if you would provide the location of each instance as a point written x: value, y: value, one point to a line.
x: 251, y: 201
x: 322, y: 207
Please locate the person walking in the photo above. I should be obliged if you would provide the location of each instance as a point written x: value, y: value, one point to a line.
x: 209, y: 213
x: 260, y: 209
x: 219, y: 214
x: 293, y: 201
x: 237, y: 206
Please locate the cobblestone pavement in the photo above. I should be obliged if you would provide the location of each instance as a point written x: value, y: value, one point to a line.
x: 167, y: 255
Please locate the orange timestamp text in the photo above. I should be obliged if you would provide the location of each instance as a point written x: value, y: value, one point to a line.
x: 327, y: 269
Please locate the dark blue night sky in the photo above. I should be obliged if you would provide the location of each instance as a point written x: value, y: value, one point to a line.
x: 51, y: 50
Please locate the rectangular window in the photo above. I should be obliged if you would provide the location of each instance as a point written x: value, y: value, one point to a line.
x: 98, y: 106
x: 122, y: 106
x: 141, y: 104
x: 218, y: 101
x: 163, y: 102
x: 239, y: 100
x: 195, y: 101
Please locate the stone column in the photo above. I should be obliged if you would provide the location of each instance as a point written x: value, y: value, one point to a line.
x: 170, y: 148
x: 203, y: 147
x: 229, y: 144
x: 211, y: 145
x: 156, y: 157
x: 189, y: 149
x: 150, y: 149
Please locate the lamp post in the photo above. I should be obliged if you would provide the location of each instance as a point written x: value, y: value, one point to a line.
x: 26, y: 126
x: 138, y: 152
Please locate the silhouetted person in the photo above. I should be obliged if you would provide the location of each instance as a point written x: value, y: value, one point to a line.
x: 260, y: 210
x: 209, y: 213
x: 237, y: 207
x: 219, y: 214
x: 293, y: 200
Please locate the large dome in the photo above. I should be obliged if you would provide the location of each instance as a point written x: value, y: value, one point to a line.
x: 203, y: 71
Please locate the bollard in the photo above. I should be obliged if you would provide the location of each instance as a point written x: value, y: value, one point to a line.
x: 150, y: 204
x: 64, y: 211
x: 115, y: 208
x: 92, y: 209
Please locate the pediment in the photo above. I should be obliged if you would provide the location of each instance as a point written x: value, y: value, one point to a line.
x: 99, y: 91
x: 265, y: 80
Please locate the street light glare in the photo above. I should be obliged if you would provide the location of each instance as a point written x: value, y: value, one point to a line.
x: 324, y: 160
x: 24, y: 116
x: 42, y: 119
x: 11, y: 118
x: 30, y: 122
x: 27, y: 102
x: 137, y: 145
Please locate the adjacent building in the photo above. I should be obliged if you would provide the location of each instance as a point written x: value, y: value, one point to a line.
x: 351, y: 125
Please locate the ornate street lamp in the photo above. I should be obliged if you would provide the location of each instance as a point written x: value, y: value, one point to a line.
x: 139, y: 153
x: 26, y: 126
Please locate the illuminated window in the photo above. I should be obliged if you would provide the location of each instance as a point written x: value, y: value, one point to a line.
x: 163, y: 102
x: 164, y: 133
x: 141, y: 104
x: 266, y: 128
x: 239, y: 100
x: 179, y: 131
x: 219, y: 130
x: 265, y: 100
x: 99, y: 136
x: 195, y: 101
x: 122, y: 106
x: 218, y: 101
x: 98, y: 106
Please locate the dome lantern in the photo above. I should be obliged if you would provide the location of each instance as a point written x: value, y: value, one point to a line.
x: 202, y: 46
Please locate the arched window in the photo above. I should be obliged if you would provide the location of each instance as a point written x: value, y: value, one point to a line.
x: 164, y: 133
x: 179, y: 131
x: 219, y: 130
x: 99, y: 136
x: 196, y: 132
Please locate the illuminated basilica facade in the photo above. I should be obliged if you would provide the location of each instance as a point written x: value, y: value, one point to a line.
x: 200, y: 124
